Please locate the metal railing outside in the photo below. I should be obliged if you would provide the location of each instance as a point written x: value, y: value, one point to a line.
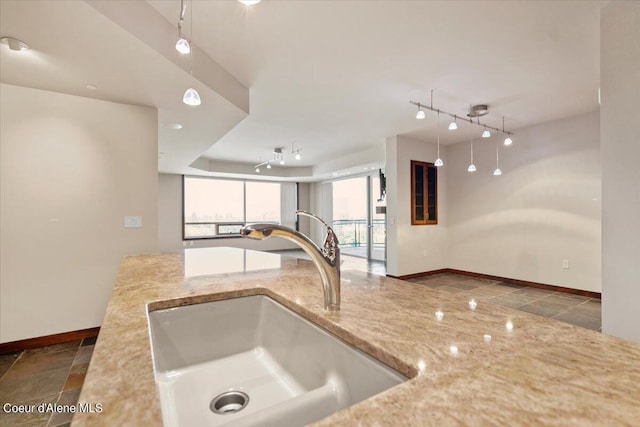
x: 354, y: 232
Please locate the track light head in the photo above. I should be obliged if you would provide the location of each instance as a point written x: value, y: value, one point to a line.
x: 438, y: 162
x: 421, y: 114
x: 486, y: 133
x: 257, y: 170
x: 268, y: 165
x: 183, y: 46
x: 471, y: 168
x: 497, y: 172
x: 453, y: 125
x: 508, y: 141
x: 191, y: 97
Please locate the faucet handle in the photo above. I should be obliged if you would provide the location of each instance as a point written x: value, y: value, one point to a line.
x: 330, y: 247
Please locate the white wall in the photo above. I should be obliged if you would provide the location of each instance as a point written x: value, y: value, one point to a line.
x: 72, y: 168
x: 620, y: 132
x: 413, y: 248
x: 545, y: 207
x: 170, y: 221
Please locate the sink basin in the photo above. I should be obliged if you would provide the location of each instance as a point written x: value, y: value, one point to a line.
x: 250, y: 361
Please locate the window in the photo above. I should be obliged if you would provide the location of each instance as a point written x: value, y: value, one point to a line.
x: 218, y: 207
x: 424, y: 193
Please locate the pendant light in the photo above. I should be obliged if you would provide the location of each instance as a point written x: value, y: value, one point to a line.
x: 486, y: 133
x: 191, y: 96
x: 497, y: 172
x: 439, y: 161
x: 472, y: 167
x: 507, y: 141
x: 453, y: 125
x: 182, y: 45
x: 420, y: 115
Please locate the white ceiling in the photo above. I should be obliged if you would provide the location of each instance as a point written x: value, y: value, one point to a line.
x: 336, y: 77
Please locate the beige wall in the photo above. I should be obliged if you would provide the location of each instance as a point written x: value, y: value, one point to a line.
x: 545, y: 208
x: 620, y: 132
x: 72, y: 168
x: 413, y: 248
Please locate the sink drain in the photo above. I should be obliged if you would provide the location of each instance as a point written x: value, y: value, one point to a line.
x: 229, y: 402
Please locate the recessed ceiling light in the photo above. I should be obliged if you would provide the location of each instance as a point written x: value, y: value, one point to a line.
x: 249, y: 2
x: 91, y: 87
x: 174, y: 126
x: 14, y: 44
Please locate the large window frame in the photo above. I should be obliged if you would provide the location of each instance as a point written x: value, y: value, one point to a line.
x: 223, y: 229
x: 424, y: 193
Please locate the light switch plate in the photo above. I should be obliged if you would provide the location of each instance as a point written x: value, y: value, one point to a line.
x: 132, y: 222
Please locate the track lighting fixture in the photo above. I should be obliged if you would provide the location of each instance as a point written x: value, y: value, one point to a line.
x: 438, y: 161
x: 475, y: 111
x: 472, y: 167
x: 279, y: 157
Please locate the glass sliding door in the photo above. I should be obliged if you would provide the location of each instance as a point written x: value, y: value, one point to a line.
x: 361, y: 229
x: 378, y: 224
x: 350, y: 198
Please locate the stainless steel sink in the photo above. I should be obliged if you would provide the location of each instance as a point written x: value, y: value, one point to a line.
x: 252, y: 362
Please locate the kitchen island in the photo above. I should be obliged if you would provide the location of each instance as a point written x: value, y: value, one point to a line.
x: 485, y: 366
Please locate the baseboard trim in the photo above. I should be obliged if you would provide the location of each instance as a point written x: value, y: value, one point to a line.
x: 13, y: 346
x: 423, y: 274
x: 555, y: 288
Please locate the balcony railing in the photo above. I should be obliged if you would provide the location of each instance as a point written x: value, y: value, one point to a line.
x: 353, y: 232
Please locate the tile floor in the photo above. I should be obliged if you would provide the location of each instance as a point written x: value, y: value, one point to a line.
x: 51, y: 374
x: 575, y: 309
x: 55, y: 373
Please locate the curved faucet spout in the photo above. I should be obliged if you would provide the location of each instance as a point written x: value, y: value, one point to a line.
x: 326, y: 259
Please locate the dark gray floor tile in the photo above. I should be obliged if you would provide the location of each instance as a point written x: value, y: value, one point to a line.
x: 511, y: 285
x: 28, y: 419
x: 552, y: 302
x: 505, y: 302
x: 540, y: 310
x: 32, y: 362
x: 587, y: 312
x: 570, y: 296
x: 67, y: 398
x: 89, y: 341
x: 83, y: 355
x: 19, y: 388
x: 579, y: 320
x: 534, y: 292
x: 6, y: 360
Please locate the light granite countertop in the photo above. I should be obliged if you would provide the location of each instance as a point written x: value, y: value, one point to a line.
x: 539, y: 372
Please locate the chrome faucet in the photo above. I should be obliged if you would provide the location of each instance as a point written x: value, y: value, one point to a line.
x: 326, y: 259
